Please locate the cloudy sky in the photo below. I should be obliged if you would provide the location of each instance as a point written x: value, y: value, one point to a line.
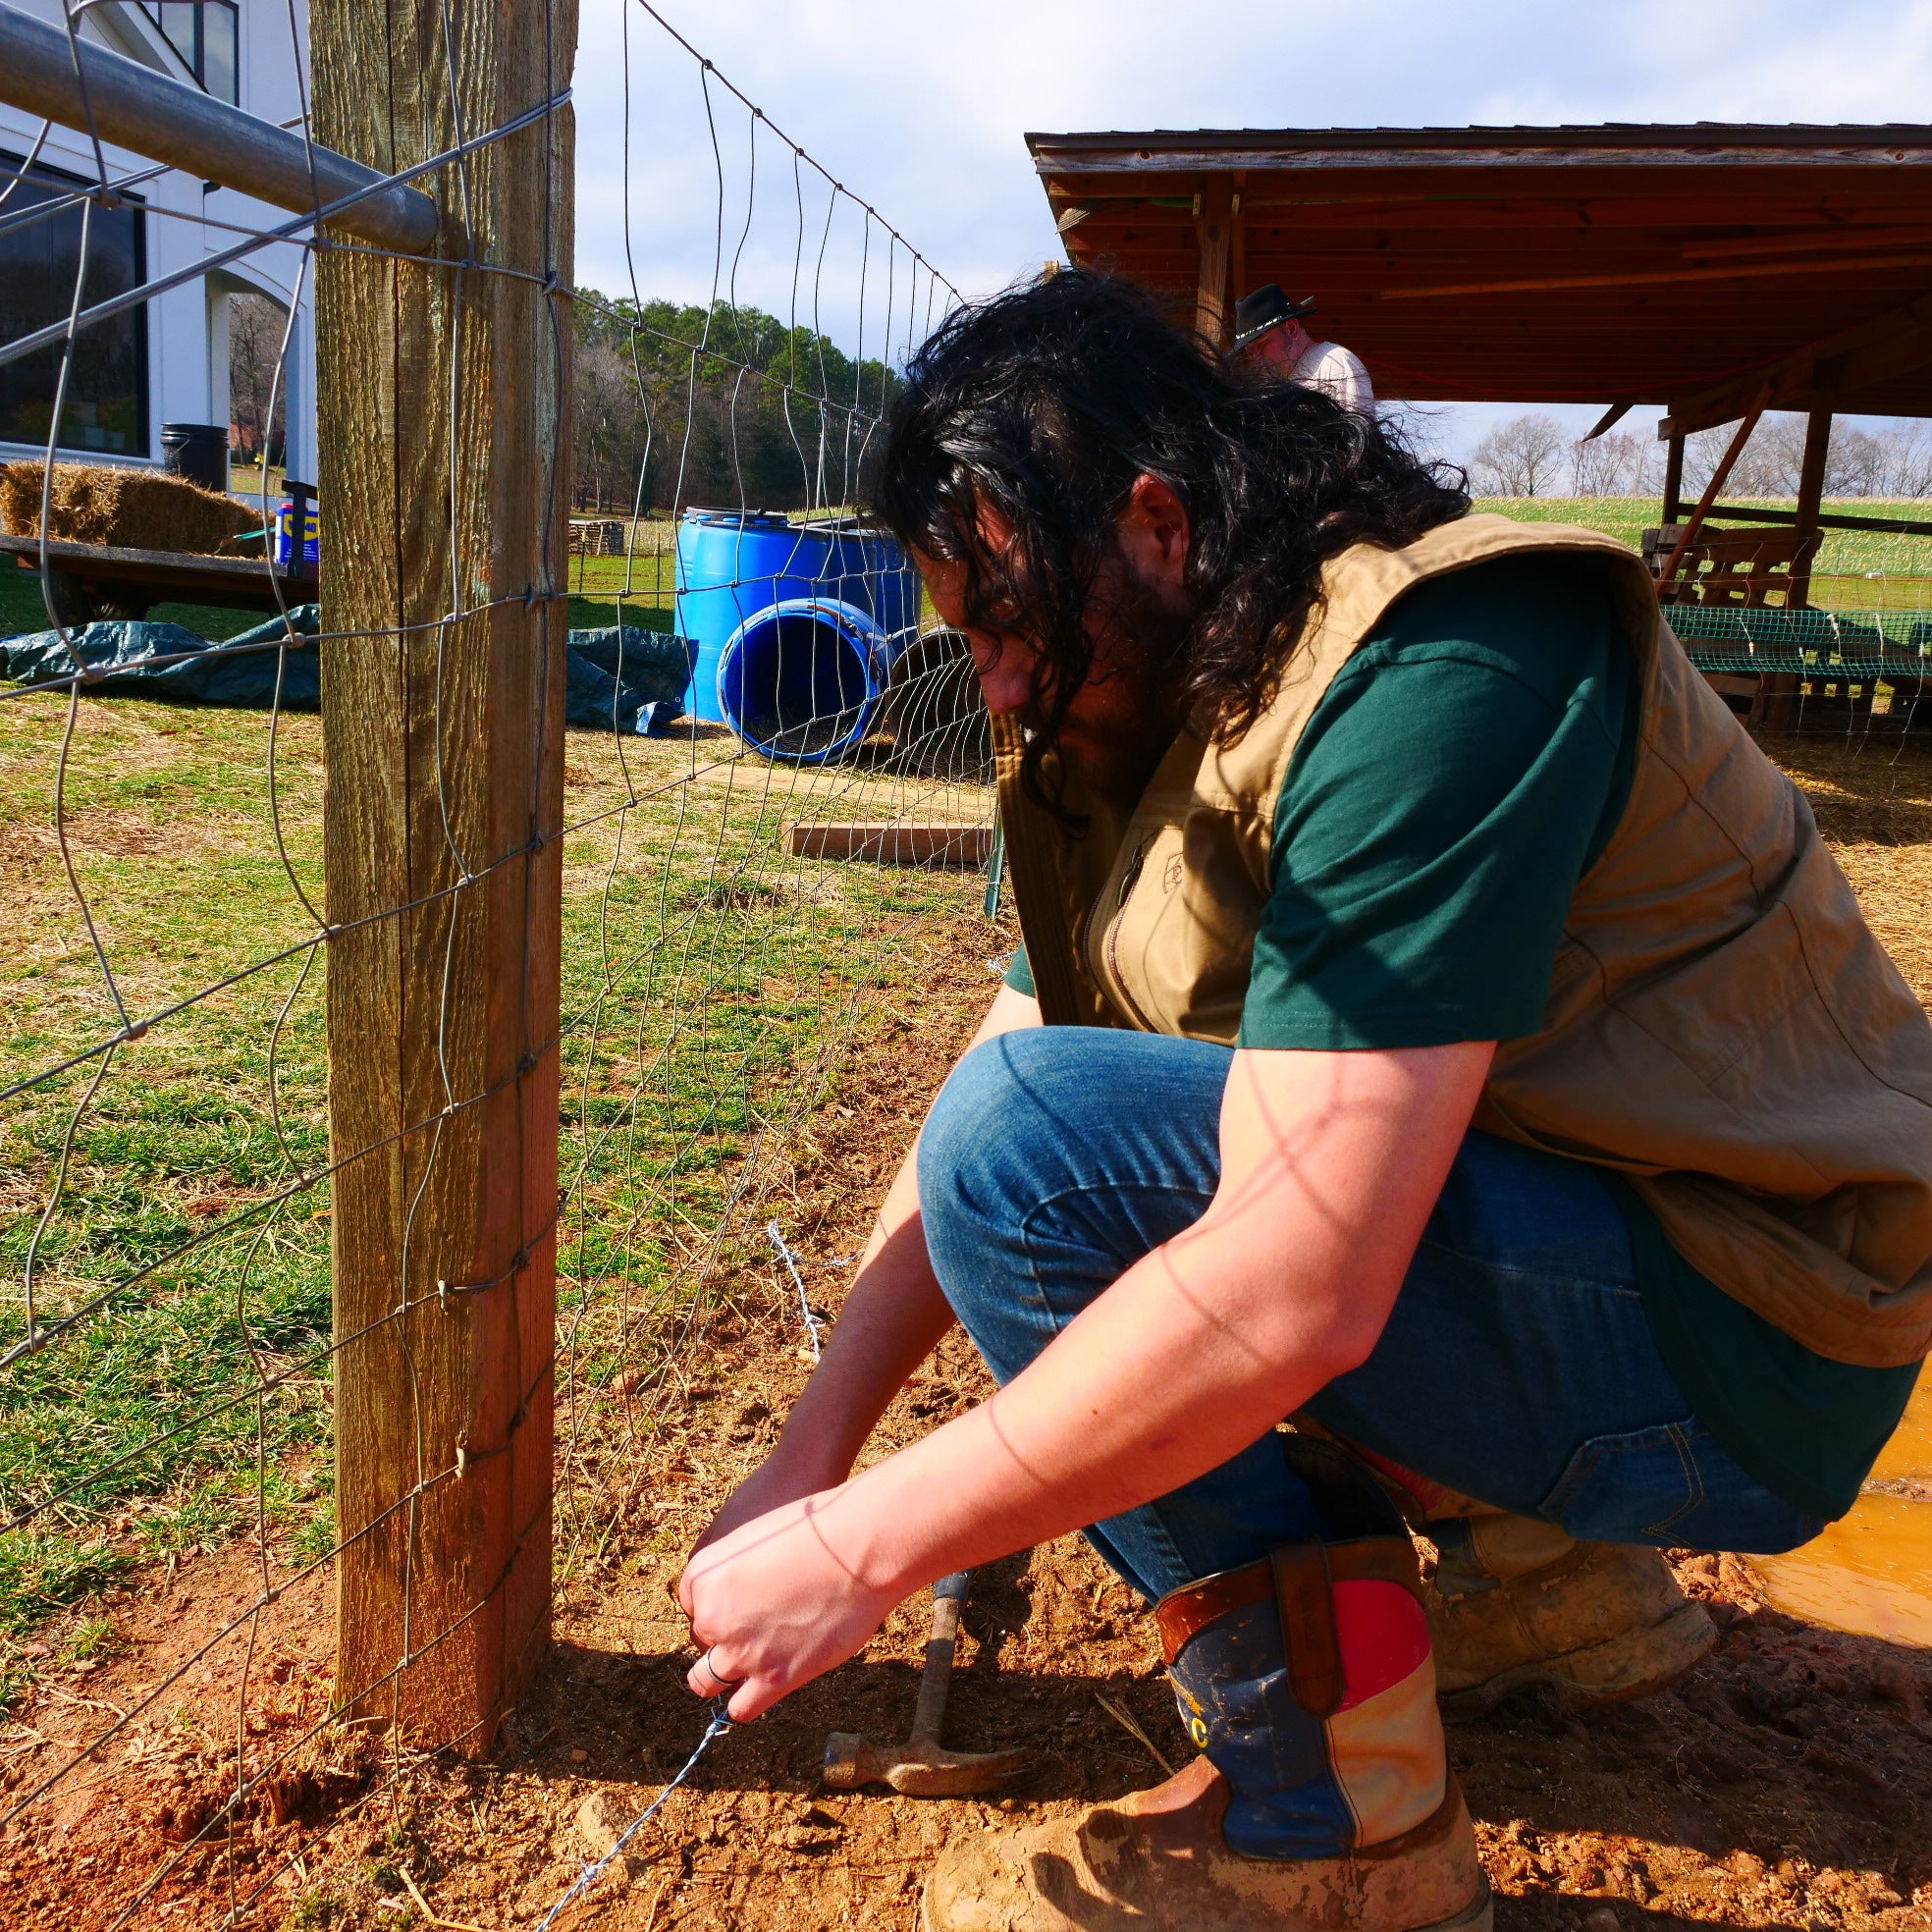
x: 919, y: 110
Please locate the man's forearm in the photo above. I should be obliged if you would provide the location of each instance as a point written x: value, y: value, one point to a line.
x: 892, y: 1318
x: 1205, y: 1343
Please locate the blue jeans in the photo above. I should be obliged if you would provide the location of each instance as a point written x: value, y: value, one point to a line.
x: 1517, y: 1366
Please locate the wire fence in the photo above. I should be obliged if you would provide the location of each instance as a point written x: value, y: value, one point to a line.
x: 1847, y: 656
x: 654, y: 942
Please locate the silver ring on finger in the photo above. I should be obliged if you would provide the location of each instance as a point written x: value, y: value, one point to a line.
x: 712, y: 1671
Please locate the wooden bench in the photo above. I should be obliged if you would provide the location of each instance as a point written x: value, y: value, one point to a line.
x: 1742, y: 566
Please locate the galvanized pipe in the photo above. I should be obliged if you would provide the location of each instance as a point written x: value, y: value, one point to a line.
x: 166, y: 120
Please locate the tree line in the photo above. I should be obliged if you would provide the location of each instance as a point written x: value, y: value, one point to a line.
x: 677, y: 403
x: 1533, y: 455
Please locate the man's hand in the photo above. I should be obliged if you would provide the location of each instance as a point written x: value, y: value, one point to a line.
x: 892, y: 1320
x: 813, y: 1610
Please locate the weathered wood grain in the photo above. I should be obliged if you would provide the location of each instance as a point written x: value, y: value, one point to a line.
x: 444, y: 522
x: 1213, y: 228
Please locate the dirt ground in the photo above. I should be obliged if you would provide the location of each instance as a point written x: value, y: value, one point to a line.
x: 1786, y: 1784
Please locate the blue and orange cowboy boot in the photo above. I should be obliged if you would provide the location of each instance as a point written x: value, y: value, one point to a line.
x: 1322, y: 1798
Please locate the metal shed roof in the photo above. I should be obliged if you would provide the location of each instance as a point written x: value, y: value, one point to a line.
x: 1684, y: 266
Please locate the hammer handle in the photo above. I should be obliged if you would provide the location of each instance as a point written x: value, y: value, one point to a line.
x: 935, y: 1679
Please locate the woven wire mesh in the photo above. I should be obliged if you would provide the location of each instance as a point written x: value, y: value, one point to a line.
x: 1848, y: 655
x: 168, y: 1352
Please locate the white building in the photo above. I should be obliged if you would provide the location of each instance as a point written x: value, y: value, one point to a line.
x: 165, y: 361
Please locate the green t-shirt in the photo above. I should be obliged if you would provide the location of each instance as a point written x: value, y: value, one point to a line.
x: 1460, y: 774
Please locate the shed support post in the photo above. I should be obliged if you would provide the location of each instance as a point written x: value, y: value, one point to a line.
x: 443, y: 464
x: 1810, y: 495
x: 1674, y: 479
x: 1213, y: 228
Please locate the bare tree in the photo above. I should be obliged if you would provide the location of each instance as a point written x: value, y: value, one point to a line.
x: 610, y: 428
x: 1519, y: 457
x: 1908, y: 470
x: 255, y: 328
x: 1614, y: 465
x: 1856, y: 462
x: 1597, y: 465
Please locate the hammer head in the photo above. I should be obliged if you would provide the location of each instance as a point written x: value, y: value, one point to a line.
x: 920, y: 1770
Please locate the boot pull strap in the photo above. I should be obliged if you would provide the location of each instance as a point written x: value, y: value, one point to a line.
x: 1306, y: 1600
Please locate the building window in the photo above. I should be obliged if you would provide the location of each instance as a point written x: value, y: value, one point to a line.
x: 106, y: 409
x: 203, y: 33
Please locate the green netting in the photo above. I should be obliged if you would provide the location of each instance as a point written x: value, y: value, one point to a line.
x: 1810, y: 643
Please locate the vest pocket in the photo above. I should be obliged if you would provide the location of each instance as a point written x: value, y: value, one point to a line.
x: 1171, y: 942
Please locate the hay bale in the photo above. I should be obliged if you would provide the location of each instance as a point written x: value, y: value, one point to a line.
x: 129, y: 509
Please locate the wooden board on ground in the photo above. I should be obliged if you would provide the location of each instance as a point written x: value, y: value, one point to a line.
x: 894, y: 844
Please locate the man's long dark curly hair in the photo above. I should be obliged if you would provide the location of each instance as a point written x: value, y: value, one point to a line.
x: 1041, y: 406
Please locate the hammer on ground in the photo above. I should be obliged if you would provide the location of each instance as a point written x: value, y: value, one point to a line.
x: 920, y: 1767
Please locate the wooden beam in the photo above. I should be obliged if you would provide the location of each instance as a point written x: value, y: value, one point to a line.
x: 1609, y: 420
x: 1826, y: 520
x: 1838, y: 241
x: 1238, y: 242
x: 235, y: 583
x: 1213, y: 229
x: 444, y: 413
x: 1895, y: 344
x: 1656, y: 278
x: 1673, y: 479
x: 1810, y: 494
x: 1719, y: 476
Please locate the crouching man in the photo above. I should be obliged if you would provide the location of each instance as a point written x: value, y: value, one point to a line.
x: 1438, y: 1024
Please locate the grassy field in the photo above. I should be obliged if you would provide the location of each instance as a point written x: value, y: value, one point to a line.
x: 711, y: 985
x: 1855, y: 570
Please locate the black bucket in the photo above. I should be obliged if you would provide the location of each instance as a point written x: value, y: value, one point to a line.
x: 198, y: 453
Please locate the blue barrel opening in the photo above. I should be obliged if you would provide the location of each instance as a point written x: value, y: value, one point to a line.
x: 802, y: 679
x: 734, y: 565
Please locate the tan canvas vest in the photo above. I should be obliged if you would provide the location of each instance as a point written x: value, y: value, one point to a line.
x: 1722, y: 1027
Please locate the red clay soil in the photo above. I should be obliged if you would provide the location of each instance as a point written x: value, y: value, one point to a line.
x: 1786, y: 1782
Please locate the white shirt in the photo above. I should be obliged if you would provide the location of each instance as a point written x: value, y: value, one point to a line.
x: 1331, y: 367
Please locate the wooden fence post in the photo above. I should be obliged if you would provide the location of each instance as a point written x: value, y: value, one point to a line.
x: 442, y: 393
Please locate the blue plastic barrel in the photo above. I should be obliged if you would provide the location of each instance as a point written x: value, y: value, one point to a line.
x: 801, y: 679
x: 736, y: 565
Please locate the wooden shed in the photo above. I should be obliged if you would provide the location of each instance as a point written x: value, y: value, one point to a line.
x: 1710, y: 271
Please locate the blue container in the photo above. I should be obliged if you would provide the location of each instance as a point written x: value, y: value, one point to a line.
x: 801, y: 679
x: 734, y: 568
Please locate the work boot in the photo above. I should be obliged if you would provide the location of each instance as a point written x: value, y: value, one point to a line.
x: 1517, y: 1603
x: 1322, y: 1801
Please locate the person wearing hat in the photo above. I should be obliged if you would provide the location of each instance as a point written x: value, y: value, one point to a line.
x: 1268, y: 334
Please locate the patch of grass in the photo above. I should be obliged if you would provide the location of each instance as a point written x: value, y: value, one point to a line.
x: 712, y: 984
x: 43, y: 1571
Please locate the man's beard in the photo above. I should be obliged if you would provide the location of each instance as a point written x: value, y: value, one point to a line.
x: 1115, y: 746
